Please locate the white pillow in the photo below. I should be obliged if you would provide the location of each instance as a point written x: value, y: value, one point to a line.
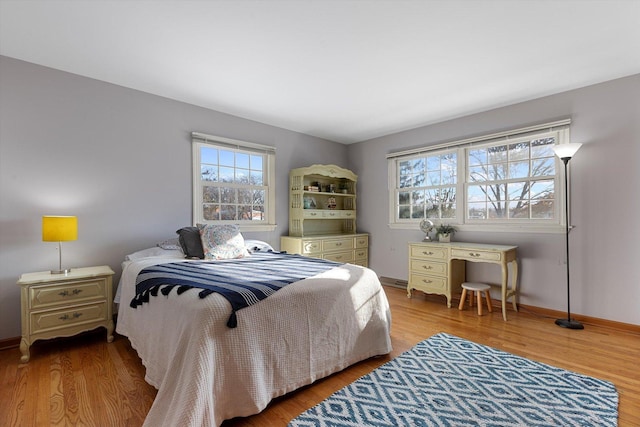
x: 257, y: 246
x: 156, y: 251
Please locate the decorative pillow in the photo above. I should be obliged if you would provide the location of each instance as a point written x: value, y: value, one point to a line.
x: 222, y: 241
x: 190, y: 241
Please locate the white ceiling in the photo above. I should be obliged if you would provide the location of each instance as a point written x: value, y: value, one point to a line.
x: 346, y: 71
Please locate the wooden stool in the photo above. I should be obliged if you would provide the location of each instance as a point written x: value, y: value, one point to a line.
x: 478, y: 288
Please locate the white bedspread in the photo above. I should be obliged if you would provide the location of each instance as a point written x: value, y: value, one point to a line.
x: 206, y: 372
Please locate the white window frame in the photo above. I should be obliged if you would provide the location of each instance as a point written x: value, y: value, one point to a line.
x: 559, y: 130
x: 268, y: 153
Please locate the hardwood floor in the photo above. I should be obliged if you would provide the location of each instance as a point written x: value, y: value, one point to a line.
x: 85, y: 381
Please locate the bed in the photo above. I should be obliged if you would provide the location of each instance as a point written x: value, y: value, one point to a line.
x: 207, y: 372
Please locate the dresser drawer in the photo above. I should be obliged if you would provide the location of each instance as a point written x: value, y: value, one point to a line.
x: 70, y: 316
x: 337, y: 244
x: 473, y: 254
x: 426, y: 283
x: 312, y: 214
x: 430, y: 267
x: 361, y: 253
x: 331, y: 214
x: 346, y: 256
x: 67, y: 293
x: 362, y: 242
x: 311, y: 246
x: 429, y: 252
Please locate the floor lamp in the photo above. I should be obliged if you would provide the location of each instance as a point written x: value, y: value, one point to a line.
x: 565, y: 152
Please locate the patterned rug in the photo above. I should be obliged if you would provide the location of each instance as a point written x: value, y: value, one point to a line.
x: 449, y: 381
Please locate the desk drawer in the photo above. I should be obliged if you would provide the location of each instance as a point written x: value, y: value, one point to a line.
x: 426, y: 283
x: 430, y: 267
x: 430, y: 252
x: 473, y: 254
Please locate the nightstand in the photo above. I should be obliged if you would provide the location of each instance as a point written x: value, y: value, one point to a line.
x: 62, y: 305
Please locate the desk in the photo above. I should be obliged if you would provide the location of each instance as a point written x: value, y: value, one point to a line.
x: 440, y: 268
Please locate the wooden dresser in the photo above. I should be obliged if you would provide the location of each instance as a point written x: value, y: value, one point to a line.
x: 353, y: 248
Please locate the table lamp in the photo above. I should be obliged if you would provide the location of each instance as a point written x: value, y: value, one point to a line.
x: 59, y: 229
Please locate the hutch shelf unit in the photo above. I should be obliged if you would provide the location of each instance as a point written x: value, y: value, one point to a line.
x: 322, y: 215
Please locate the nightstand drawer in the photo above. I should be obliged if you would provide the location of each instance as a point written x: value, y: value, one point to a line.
x: 430, y: 252
x: 430, y: 267
x: 473, y: 254
x: 346, y: 256
x: 335, y: 244
x: 63, y: 318
x: 67, y: 293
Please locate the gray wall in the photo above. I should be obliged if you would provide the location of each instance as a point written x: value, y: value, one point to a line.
x: 605, y: 174
x: 117, y: 158
x: 120, y: 160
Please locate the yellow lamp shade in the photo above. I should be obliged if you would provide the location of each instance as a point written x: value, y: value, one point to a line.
x: 59, y: 228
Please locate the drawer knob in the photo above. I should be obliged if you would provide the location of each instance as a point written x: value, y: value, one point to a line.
x: 66, y: 293
x: 475, y: 255
x: 427, y: 253
x: 426, y: 281
x: 339, y: 257
x: 339, y: 244
x: 427, y: 267
x: 73, y: 316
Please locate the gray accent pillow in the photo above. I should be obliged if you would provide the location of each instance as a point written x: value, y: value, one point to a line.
x: 190, y: 241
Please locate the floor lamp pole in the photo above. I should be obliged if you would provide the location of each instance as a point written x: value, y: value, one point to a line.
x: 567, y: 323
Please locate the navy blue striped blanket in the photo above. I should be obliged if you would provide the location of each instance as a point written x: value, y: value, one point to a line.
x: 243, y: 281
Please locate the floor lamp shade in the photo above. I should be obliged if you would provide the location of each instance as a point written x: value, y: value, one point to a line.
x: 59, y: 229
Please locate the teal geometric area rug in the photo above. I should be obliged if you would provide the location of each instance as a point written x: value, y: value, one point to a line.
x: 449, y: 381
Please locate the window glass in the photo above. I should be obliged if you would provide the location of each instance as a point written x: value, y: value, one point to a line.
x: 232, y: 185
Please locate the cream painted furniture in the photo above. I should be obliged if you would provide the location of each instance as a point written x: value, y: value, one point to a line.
x: 322, y: 215
x: 478, y: 289
x: 62, y: 305
x: 352, y: 248
x: 428, y: 274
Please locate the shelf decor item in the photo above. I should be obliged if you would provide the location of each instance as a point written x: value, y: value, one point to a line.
x: 565, y: 152
x: 59, y: 229
x: 444, y: 232
x: 426, y: 226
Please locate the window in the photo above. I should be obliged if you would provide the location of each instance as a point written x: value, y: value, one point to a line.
x: 427, y: 186
x: 500, y: 181
x: 233, y: 183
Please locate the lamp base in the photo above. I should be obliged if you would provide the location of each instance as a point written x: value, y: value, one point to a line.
x: 569, y: 324
x: 65, y: 271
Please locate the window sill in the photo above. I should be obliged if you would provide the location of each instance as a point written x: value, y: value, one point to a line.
x: 493, y: 228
